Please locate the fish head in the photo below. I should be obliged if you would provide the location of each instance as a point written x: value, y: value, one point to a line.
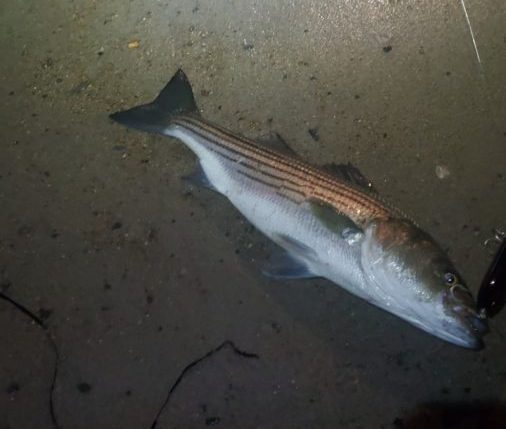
x: 412, y: 277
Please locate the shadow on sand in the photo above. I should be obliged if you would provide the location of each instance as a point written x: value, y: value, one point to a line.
x: 453, y: 415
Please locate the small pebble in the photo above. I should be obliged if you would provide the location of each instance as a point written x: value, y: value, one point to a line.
x: 134, y: 44
x: 116, y: 225
x: 211, y: 421
x: 313, y: 132
x: 247, y: 46
x: 84, y: 387
x: 442, y: 171
x: 13, y: 388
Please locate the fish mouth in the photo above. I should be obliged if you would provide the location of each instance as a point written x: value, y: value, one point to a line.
x: 470, y: 325
x: 474, y: 327
x: 465, y: 334
x: 462, y: 334
x: 479, y: 324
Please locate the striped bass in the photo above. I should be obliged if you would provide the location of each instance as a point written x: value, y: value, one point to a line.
x: 329, y: 222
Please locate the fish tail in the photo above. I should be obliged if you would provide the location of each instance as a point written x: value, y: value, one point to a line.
x: 155, y: 117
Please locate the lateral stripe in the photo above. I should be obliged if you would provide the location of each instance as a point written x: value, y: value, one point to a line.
x: 265, y: 152
x: 347, y: 198
x: 304, y: 179
x: 279, y: 190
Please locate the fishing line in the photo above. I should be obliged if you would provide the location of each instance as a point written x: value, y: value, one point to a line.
x: 38, y: 321
x: 486, y: 86
x: 187, y: 368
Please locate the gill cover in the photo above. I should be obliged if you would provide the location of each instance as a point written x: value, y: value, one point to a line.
x: 400, y: 259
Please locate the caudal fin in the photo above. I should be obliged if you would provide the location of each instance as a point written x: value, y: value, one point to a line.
x: 175, y: 99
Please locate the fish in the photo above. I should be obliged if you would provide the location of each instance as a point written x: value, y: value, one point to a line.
x: 328, y: 222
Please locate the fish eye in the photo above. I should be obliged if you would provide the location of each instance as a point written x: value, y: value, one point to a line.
x: 450, y: 279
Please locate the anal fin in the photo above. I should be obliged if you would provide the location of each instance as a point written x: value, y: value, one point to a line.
x: 199, y: 178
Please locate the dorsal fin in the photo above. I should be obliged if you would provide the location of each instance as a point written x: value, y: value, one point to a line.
x: 349, y: 173
x: 275, y: 142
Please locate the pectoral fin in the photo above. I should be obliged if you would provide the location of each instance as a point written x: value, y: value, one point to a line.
x: 336, y: 222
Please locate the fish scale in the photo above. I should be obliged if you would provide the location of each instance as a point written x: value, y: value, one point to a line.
x: 278, y: 171
x: 275, y: 214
